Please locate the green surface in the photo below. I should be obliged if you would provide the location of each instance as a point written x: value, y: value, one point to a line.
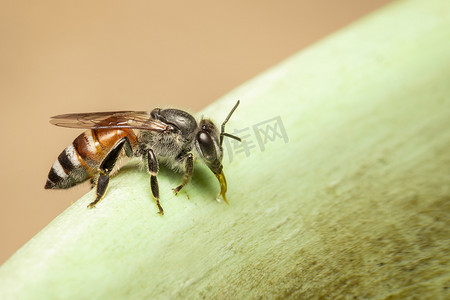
x: 355, y: 204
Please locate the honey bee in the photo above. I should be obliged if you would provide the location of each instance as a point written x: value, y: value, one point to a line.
x: 169, y: 136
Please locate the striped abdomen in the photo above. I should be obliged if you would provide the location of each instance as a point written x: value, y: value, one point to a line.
x: 80, y: 160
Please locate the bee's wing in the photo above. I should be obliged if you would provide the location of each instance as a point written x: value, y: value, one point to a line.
x: 111, y: 120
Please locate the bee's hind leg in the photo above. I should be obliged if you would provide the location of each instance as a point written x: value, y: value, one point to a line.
x: 107, y: 166
x: 153, y: 168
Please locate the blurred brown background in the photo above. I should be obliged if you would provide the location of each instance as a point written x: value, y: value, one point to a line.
x: 60, y: 57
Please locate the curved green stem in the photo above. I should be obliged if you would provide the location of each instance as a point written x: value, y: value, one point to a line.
x: 340, y: 187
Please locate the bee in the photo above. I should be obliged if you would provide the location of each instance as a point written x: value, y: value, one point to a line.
x: 169, y: 136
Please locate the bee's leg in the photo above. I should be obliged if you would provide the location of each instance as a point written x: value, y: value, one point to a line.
x: 188, y: 168
x: 107, y: 166
x: 153, y: 169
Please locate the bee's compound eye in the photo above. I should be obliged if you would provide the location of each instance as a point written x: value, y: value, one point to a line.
x: 207, y: 146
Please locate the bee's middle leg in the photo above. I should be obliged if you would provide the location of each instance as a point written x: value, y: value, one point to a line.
x: 107, y: 166
x: 153, y: 168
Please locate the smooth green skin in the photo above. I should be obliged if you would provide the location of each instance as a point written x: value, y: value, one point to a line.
x: 355, y: 204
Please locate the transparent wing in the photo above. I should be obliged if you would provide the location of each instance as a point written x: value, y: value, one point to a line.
x: 110, y: 120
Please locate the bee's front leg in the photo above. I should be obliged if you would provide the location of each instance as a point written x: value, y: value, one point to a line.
x: 188, y: 168
x: 107, y: 166
x: 153, y: 168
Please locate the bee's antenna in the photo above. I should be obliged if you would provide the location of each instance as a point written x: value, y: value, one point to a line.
x: 222, y: 129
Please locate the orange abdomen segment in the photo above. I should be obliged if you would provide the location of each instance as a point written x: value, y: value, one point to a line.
x: 80, y: 160
x: 93, y: 145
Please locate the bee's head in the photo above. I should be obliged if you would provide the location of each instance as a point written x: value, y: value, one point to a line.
x: 208, y: 143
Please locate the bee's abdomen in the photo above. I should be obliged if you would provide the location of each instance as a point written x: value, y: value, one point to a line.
x: 79, y: 161
x: 68, y: 170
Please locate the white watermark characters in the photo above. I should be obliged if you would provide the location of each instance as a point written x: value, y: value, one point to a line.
x: 256, y: 136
